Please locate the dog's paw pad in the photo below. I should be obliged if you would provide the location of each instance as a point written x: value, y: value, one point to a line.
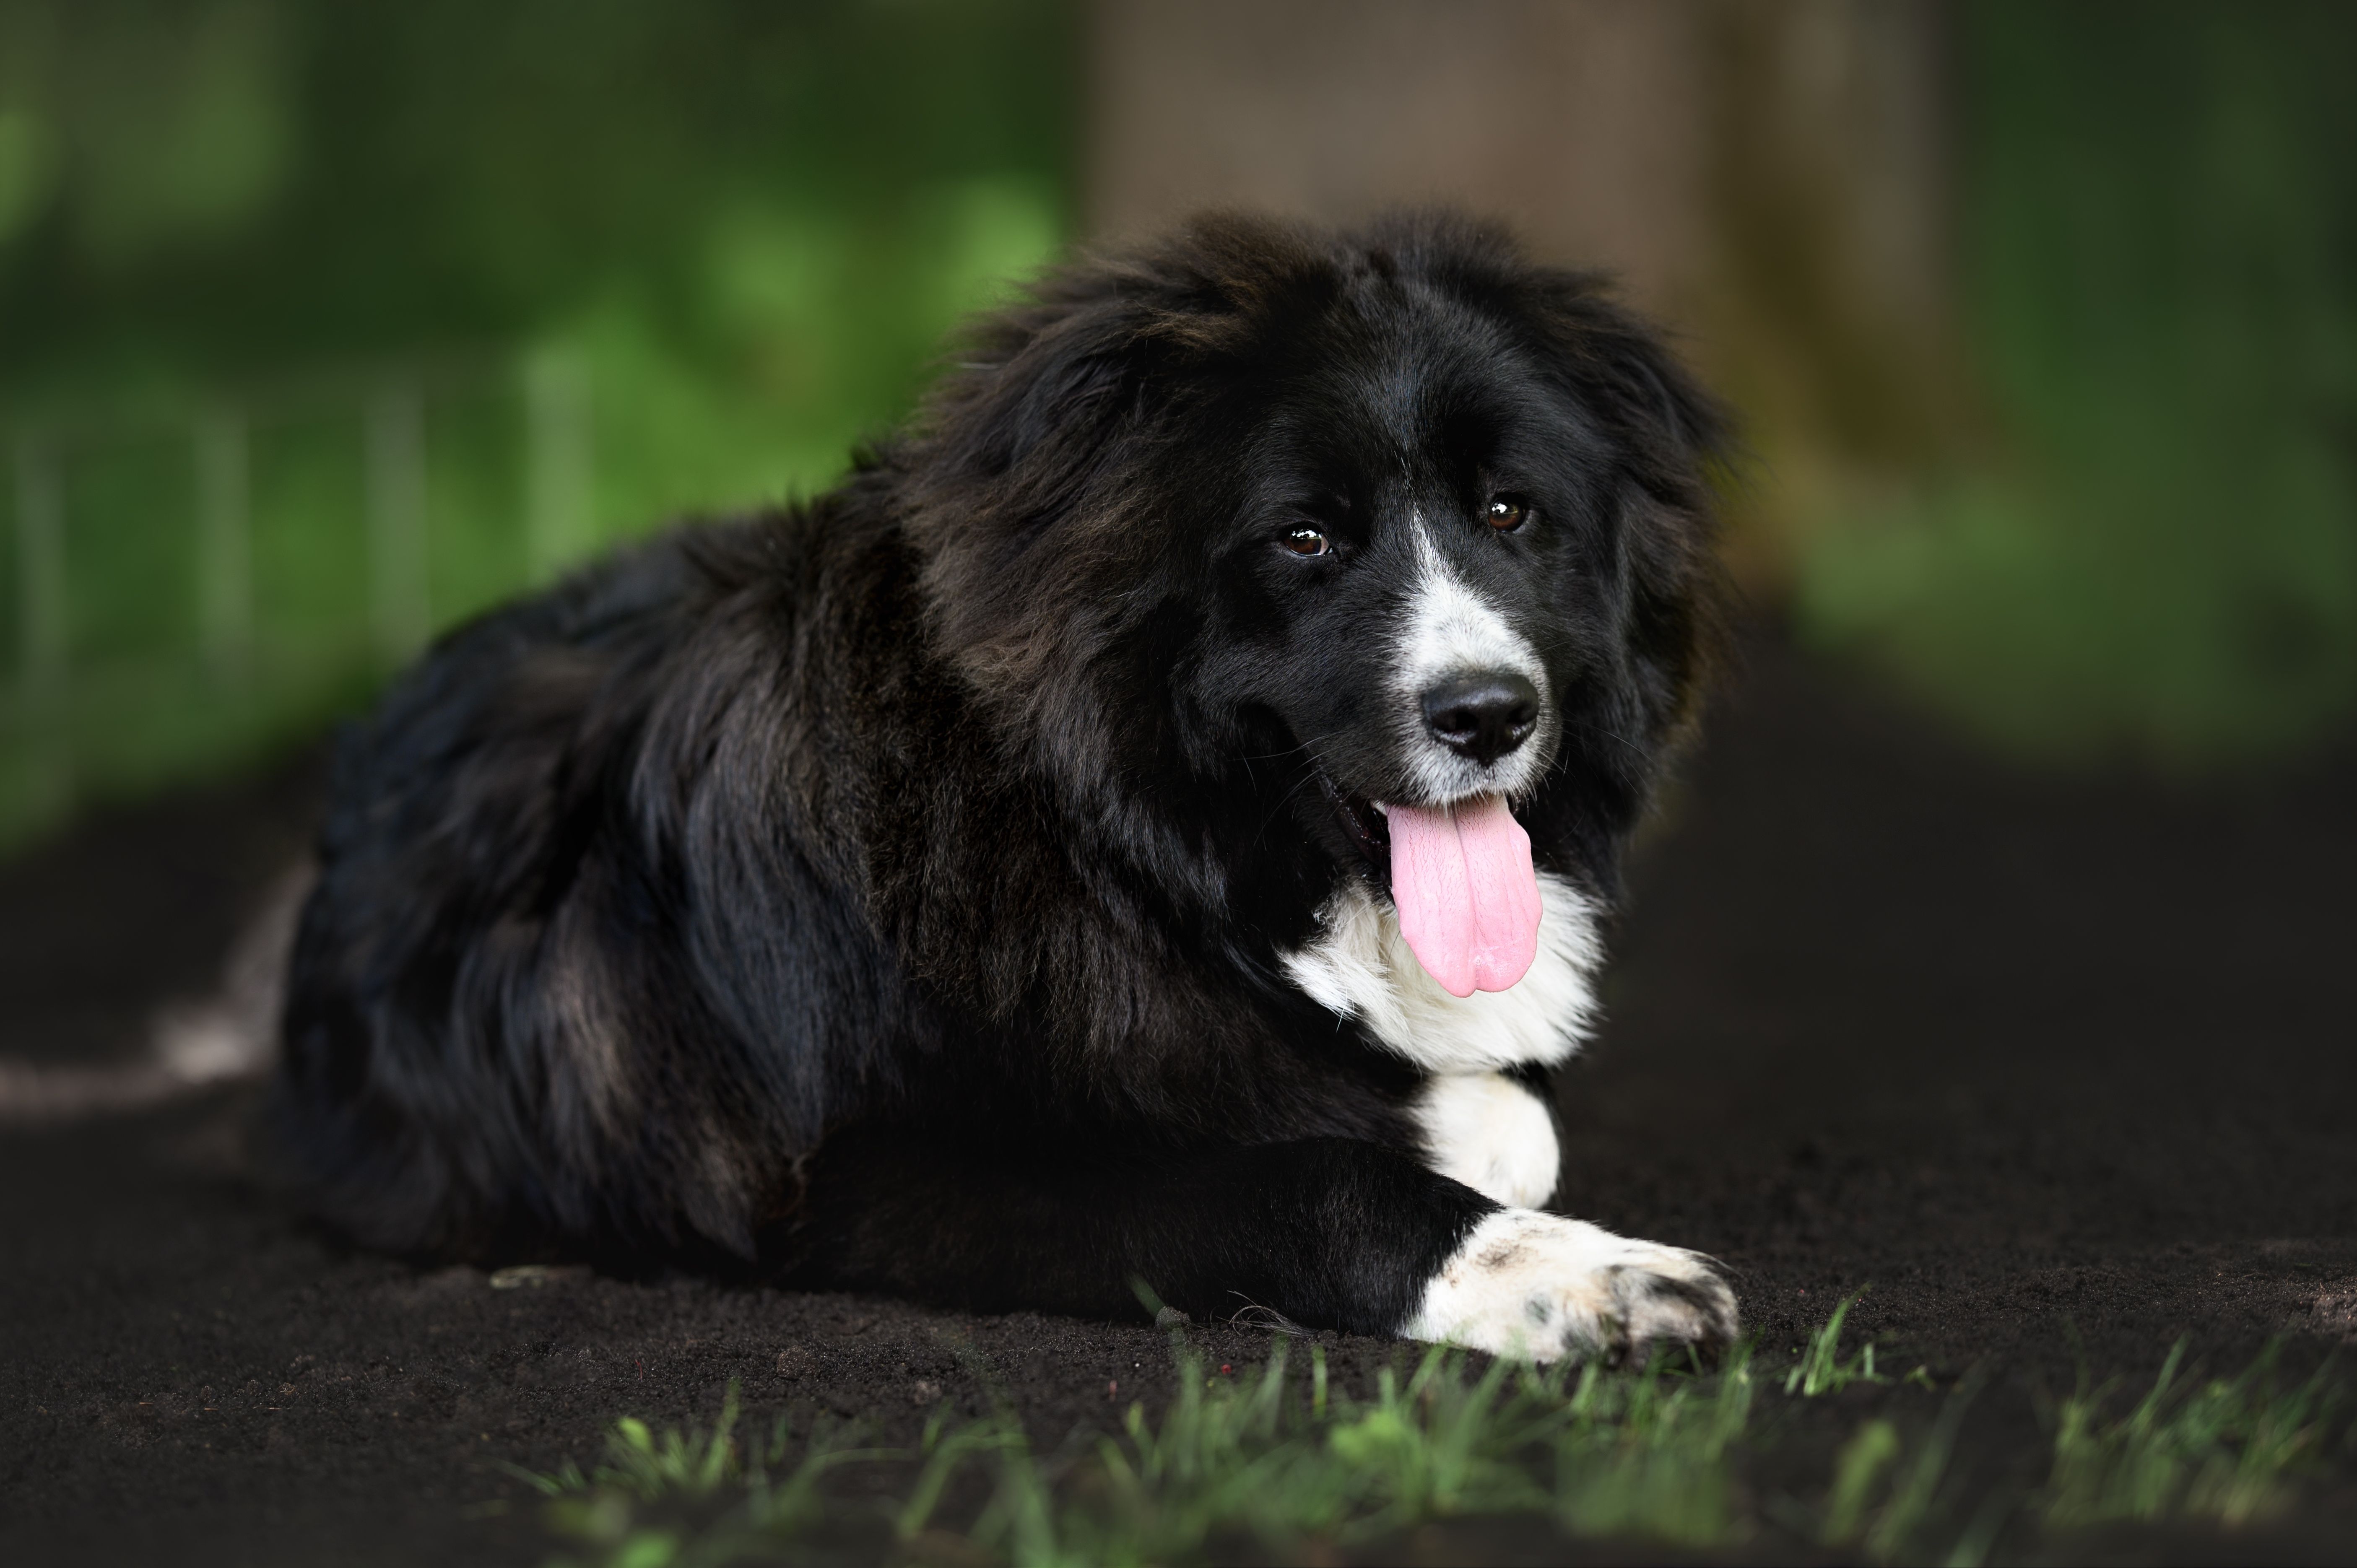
x: 1533, y: 1285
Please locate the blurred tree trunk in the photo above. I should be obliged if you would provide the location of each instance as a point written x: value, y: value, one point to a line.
x: 1771, y: 177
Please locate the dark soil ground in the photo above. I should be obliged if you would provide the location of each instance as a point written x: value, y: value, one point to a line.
x: 2064, y: 1068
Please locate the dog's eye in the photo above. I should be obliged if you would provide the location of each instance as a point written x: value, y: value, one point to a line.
x: 1308, y: 541
x: 1507, y: 514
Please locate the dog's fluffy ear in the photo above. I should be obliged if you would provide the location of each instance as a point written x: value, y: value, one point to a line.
x: 1023, y: 454
x: 1043, y: 385
x: 1053, y: 379
x: 1014, y: 473
x: 1677, y: 447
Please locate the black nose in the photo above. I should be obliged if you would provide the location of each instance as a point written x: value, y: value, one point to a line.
x: 1482, y: 716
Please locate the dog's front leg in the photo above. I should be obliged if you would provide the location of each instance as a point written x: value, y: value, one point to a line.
x: 1327, y: 1232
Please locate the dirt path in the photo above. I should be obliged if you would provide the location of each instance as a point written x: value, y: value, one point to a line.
x: 2021, y: 1054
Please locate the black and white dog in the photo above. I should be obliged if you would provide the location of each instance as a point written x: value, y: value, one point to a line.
x: 1148, y: 825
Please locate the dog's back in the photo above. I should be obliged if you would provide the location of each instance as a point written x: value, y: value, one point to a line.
x: 492, y: 1046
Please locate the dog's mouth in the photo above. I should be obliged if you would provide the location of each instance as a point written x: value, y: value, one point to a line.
x: 1364, y: 828
x: 1460, y: 878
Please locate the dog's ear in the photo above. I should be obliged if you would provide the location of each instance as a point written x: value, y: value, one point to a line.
x: 1021, y: 483
x: 1043, y: 388
x: 1625, y: 372
x: 1011, y: 478
x: 1675, y: 447
x: 1039, y: 386
x: 1014, y: 474
x: 1019, y: 462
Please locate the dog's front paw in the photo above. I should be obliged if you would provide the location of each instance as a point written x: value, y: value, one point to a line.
x: 1538, y: 1286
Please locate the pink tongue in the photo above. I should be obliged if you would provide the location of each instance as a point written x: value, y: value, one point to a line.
x: 1469, y: 901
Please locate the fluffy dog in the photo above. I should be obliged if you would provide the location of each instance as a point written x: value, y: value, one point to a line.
x: 1148, y: 826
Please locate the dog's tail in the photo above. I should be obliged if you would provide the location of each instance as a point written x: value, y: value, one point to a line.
x: 232, y: 1034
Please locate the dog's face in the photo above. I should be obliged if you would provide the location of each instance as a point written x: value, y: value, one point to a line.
x: 1296, y: 539
x: 1417, y: 583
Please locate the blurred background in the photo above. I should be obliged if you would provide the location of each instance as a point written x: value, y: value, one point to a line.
x: 323, y: 326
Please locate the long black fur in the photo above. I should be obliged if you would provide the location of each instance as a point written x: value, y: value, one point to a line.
x: 888, y: 892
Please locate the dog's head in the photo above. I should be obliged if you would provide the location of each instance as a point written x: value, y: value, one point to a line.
x: 1288, y: 554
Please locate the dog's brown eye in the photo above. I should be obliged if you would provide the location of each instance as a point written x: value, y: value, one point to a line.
x: 1507, y: 514
x: 1308, y: 541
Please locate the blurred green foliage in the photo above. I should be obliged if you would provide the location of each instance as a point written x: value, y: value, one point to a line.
x: 2160, y: 217
x: 742, y: 225
x: 218, y: 187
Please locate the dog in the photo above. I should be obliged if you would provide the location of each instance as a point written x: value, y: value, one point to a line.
x: 1142, y: 837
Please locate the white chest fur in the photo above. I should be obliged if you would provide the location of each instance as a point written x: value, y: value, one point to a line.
x: 1360, y: 967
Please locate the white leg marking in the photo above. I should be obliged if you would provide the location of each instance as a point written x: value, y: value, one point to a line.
x: 1546, y: 1288
x: 1360, y: 967
x: 1492, y: 1134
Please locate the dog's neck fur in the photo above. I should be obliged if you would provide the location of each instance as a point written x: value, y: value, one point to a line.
x: 1359, y: 967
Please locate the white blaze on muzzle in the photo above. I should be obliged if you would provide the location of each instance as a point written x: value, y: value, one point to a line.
x: 1452, y: 631
x: 1462, y: 875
